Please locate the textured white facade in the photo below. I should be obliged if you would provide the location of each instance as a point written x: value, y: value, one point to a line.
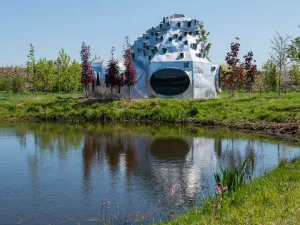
x: 171, y: 63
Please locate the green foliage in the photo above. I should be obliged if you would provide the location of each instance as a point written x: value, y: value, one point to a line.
x: 45, y: 75
x: 70, y: 78
x: 18, y: 84
x: 205, y: 35
x: 54, y: 76
x: 31, y: 67
x: 234, y: 178
x: 270, y: 76
x: 295, y: 74
x: 5, y: 84
x: 294, y: 50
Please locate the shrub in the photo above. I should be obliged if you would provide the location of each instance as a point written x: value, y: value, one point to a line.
x: 234, y: 178
x: 18, y: 84
x: 5, y: 85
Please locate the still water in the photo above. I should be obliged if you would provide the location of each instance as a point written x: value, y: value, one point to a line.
x: 60, y: 174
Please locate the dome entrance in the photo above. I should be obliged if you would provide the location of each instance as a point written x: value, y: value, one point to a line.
x: 170, y: 81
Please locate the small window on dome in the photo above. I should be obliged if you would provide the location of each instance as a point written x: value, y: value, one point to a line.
x: 189, y: 24
x: 194, y: 46
x: 182, y: 55
x: 178, y: 24
x: 170, y: 39
x: 186, y: 42
x: 164, y: 50
x: 180, y: 38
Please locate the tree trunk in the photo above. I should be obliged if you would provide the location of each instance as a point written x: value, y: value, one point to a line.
x: 279, y: 82
x: 260, y: 90
x: 129, y: 92
x: 234, y: 94
x: 85, y: 91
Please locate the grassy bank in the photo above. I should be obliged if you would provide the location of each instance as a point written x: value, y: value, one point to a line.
x: 271, y: 199
x: 264, y: 113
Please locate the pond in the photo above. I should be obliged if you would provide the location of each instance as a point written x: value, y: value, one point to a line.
x: 60, y: 174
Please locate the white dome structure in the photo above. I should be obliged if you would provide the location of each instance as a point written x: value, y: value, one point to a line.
x: 171, y: 63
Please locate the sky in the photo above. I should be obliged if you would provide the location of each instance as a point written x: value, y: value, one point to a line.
x: 52, y: 25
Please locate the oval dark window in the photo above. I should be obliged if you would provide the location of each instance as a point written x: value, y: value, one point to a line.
x: 170, y: 81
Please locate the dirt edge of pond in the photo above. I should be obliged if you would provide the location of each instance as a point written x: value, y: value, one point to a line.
x: 289, y: 131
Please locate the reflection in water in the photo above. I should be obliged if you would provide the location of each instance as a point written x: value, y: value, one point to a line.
x: 171, y: 147
x: 62, y: 171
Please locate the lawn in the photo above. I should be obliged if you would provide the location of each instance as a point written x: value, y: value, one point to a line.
x: 34, y: 97
x: 256, y: 112
x: 271, y: 199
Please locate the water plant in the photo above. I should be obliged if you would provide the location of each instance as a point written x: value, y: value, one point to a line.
x: 230, y: 180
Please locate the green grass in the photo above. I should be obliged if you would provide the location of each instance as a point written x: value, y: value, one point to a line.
x: 34, y: 97
x: 271, y: 199
x: 222, y: 111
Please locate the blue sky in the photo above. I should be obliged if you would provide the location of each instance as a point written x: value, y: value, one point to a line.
x: 52, y: 25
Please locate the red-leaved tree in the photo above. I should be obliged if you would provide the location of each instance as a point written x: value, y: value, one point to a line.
x: 251, y: 71
x: 130, y: 73
x: 232, y: 78
x: 112, y: 77
x: 87, y: 73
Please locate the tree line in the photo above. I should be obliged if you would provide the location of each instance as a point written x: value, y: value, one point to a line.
x: 42, y: 75
x: 280, y: 72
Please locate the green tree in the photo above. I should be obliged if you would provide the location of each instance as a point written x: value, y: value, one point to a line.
x: 294, y: 74
x: 63, y: 63
x: 205, y: 35
x: 71, y: 78
x: 31, y: 67
x: 270, y: 76
x: 279, y: 55
x: 294, y: 50
x: 46, y: 73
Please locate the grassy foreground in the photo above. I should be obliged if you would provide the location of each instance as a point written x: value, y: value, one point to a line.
x: 271, y: 199
x: 279, y: 116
